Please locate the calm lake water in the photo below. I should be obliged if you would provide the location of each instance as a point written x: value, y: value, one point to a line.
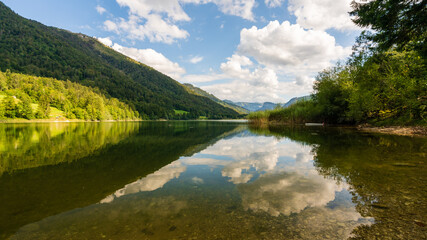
x: 209, y: 180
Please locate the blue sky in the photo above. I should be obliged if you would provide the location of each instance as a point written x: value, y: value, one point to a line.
x: 241, y: 50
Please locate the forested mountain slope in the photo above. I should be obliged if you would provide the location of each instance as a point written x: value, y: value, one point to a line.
x: 198, y: 91
x: 29, y: 97
x: 32, y: 48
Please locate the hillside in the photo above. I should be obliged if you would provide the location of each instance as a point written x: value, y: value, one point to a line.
x: 197, y: 91
x: 32, y: 48
x: 28, y: 97
x: 295, y: 100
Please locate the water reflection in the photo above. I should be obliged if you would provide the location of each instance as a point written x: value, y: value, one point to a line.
x: 151, y: 182
x: 34, y: 193
x: 24, y: 146
x: 386, y: 175
x: 243, y: 186
x: 287, y: 192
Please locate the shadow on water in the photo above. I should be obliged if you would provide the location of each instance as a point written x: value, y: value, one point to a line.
x: 46, y: 169
x: 386, y: 175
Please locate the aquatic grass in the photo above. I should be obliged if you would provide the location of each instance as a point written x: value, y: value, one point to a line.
x: 301, y: 112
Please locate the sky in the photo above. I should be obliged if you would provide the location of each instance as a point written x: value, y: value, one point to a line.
x: 240, y: 50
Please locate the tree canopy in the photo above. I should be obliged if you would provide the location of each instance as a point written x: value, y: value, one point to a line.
x: 395, y: 22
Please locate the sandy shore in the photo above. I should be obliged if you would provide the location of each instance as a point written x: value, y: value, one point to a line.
x: 396, y: 130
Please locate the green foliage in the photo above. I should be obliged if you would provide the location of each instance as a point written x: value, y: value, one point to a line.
x: 395, y: 22
x: 43, y: 109
x: 24, y: 108
x: 57, y: 98
x: 31, y: 48
x: 10, y: 107
x: 298, y: 113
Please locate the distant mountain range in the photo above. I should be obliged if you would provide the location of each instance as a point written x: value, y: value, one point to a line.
x: 256, y: 106
x: 32, y: 48
x: 296, y: 99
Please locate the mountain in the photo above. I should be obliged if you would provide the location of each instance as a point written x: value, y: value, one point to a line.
x: 197, y: 91
x: 253, y: 107
x: 294, y: 100
x: 267, y: 106
x: 32, y: 48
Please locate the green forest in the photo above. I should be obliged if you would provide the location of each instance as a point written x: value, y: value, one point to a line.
x: 32, y: 48
x: 384, y: 81
x: 28, y: 97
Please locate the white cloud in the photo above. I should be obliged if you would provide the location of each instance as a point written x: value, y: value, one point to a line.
x: 106, y: 41
x: 322, y: 15
x: 239, y: 90
x: 290, y: 48
x: 154, y: 28
x: 240, y: 8
x: 153, y: 59
x: 202, y: 78
x: 274, y: 63
x: 111, y: 26
x: 148, y: 57
x: 157, y: 21
x: 236, y: 68
x: 273, y: 3
x: 145, y: 8
x: 196, y: 59
x: 100, y: 10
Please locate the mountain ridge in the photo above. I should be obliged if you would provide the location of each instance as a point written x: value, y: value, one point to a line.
x: 32, y: 48
x: 256, y: 106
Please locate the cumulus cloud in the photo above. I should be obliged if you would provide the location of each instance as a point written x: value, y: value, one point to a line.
x: 274, y: 63
x: 153, y: 59
x: 148, y: 57
x: 273, y: 3
x: 196, y: 59
x: 158, y: 21
x: 145, y: 8
x: 240, y: 8
x: 100, y: 9
x: 106, y: 41
x: 155, y: 28
x: 322, y: 15
x: 290, y: 48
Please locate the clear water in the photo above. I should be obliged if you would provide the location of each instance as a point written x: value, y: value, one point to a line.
x: 209, y: 180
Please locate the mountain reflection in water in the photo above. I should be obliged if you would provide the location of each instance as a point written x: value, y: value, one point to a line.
x: 289, y: 183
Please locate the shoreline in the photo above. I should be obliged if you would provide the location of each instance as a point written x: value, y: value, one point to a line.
x: 61, y: 121
x: 412, y: 131
x: 100, y: 121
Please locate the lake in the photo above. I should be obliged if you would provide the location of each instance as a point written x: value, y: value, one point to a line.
x: 209, y: 180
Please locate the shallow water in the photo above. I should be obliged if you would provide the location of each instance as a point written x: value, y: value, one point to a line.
x: 209, y: 180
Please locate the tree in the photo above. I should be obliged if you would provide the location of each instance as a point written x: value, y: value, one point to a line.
x: 10, y: 108
x: 24, y: 108
x: 43, y: 109
x: 396, y: 22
